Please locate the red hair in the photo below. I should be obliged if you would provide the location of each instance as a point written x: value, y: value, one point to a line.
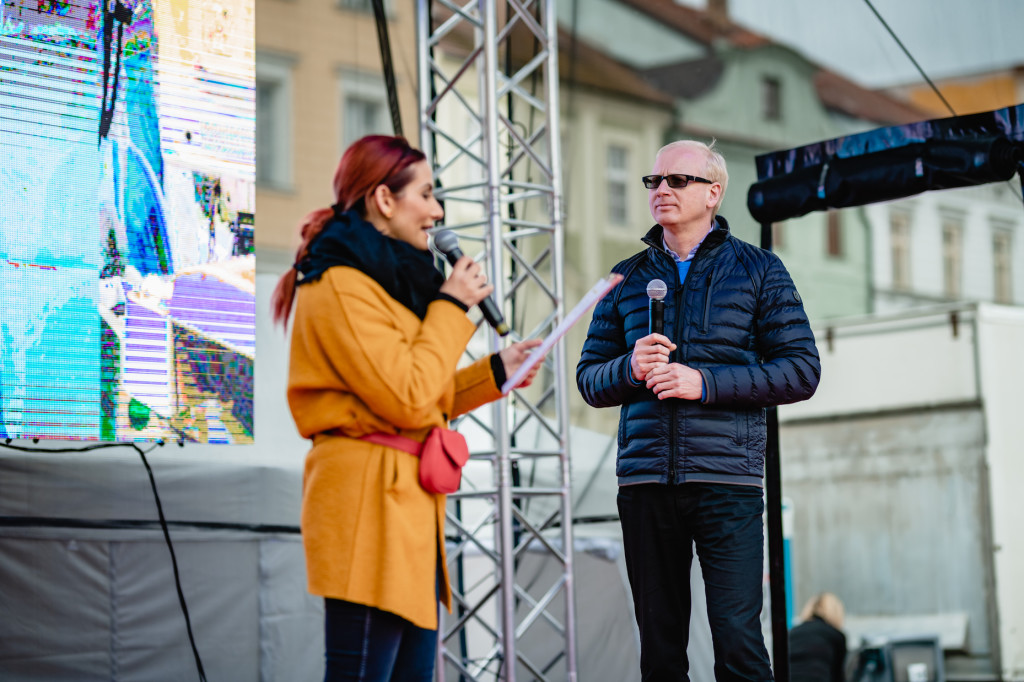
x: 371, y: 161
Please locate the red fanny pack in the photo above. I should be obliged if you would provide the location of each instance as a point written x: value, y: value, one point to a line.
x: 442, y: 456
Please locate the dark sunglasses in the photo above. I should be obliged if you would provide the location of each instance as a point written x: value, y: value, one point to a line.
x: 675, y: 181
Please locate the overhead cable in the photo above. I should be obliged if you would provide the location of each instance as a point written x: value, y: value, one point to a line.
x: 910, y: 57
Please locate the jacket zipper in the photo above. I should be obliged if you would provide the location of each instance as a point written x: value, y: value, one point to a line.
x: 681, y: 355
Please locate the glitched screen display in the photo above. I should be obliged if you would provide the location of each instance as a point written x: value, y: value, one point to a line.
x: 126, y: 220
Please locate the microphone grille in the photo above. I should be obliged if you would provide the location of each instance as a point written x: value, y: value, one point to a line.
x: 656, y: 289
x: 445, y: 241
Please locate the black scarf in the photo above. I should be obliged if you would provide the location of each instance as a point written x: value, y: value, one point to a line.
x: 405, y: 272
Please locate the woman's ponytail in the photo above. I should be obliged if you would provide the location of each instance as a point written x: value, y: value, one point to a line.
x: 284, y: 293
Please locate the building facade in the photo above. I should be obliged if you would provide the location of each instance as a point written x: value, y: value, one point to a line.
x: 319, y: 86
x: 635, y: 75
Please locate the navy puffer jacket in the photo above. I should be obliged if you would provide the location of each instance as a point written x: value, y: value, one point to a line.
x: 739, y: 320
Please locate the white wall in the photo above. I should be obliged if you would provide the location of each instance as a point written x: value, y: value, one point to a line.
x: 1000, y: 341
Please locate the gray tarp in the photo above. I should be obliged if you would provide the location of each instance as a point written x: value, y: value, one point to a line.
x: 100, y: 603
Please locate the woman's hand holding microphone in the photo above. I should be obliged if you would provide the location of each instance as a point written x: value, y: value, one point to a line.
x: 467, y: 282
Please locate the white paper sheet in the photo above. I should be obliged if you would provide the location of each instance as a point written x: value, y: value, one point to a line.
x: 596, y: 293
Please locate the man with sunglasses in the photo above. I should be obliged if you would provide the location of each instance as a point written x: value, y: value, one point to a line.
x: 692, y: 432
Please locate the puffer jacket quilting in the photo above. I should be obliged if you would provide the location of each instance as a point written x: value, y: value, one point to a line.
x: 739, y: 320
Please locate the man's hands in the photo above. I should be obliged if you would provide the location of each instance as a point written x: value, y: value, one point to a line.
x: 649, y: 352
x: 675, y: 381
x: 650, y: 364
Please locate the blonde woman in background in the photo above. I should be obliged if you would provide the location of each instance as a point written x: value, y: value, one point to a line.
x: 817, y: 646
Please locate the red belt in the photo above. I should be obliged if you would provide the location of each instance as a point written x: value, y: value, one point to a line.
x: 390, y: 440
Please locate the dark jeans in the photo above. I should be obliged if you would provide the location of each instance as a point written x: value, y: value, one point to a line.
x: 367, y: 644
x: 660, y: 523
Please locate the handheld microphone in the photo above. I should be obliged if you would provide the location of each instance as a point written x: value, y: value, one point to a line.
x: 447, y: 243
x: 656, y: 290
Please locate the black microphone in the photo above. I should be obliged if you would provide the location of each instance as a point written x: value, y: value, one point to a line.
x: 656, y: 290
x: 447, y: 243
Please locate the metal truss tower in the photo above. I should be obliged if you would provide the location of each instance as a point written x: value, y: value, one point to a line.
x: 488, y: 102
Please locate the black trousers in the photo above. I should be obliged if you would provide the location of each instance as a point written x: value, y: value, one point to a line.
x: 365, y: 644
x: 660, y: 524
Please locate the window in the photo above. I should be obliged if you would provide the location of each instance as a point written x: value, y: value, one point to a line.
x: 834, y: 234
x: 899, y: 233
x: 364, y: 107
x: 273, y: 121
x: 1001, y: 266
x: 771, y: 98
x: 952, y: 256
x: 617, y: 165
x: 363, y: 116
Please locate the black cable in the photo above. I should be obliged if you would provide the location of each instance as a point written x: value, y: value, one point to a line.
x: 123, y: 16
x: 86, y: 448
x: 174, y: 560
x: 911, y: 57
x: 1020, y: 174
x: 143, y: 524
x: 496, y: 252
x: 573, y: 57
x: 384, y: 42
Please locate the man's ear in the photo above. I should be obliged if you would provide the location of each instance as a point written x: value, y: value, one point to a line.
x: 384, y: 200
x: 714, y: 194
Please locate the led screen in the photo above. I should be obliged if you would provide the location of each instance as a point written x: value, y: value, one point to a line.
x: 126, y: 220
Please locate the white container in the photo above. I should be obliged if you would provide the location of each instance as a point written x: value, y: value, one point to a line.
x: 908, y: 470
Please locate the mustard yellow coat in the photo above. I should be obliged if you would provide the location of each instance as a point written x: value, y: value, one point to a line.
x: 363, y: 363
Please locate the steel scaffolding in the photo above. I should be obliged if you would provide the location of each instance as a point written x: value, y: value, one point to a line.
x: 488, y: 102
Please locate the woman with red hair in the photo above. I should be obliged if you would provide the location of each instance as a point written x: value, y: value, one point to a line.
x: 377, y: 334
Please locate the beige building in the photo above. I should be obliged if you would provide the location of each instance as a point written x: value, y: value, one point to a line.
x: 319, y: 85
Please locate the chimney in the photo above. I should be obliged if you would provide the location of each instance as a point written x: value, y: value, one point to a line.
x: 718, y: 10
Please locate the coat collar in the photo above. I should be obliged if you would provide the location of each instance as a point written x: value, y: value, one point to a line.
x: 718, y: 234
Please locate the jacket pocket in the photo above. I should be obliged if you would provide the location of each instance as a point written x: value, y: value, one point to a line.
x: 706, y: 318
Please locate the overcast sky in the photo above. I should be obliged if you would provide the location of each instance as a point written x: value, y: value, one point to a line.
x: 946, y: 37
